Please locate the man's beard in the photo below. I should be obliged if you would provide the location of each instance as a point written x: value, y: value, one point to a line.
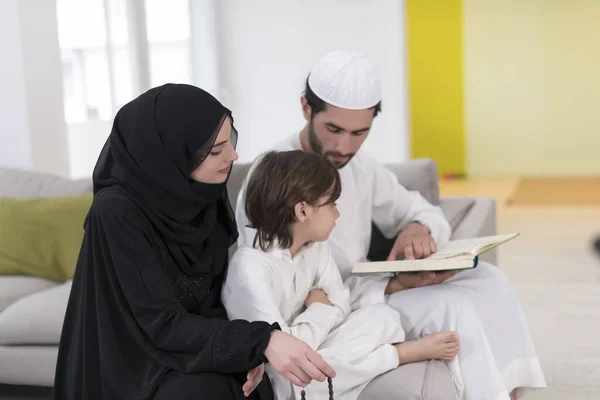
x: 317, y: 147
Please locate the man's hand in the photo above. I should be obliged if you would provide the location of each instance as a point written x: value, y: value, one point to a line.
x: 295, y: 360
x: 255, y: 375
x: 316, y: 296
x: 409, y: 280
x: 413, y: 242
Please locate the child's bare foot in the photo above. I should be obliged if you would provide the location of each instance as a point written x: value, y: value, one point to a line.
x: 443, y: 345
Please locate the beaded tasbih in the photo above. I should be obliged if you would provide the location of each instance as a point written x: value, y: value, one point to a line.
x: 329, y: 382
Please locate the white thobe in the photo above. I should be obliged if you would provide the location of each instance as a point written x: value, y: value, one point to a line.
x: 497, y: 353
x: 272, y: 286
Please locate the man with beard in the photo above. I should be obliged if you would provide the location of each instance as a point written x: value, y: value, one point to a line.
x: 497, y: 357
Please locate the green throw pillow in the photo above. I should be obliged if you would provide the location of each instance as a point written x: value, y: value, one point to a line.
x: 42, y: 237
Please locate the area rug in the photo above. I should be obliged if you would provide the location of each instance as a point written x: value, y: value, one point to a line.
x: 575, y: 191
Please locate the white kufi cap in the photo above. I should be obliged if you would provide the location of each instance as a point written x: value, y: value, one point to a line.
x: 346, y: 79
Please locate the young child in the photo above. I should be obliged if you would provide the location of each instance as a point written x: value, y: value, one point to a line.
x: 287, y: 275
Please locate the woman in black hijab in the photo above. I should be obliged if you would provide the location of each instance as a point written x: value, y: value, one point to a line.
x: 144, y: 318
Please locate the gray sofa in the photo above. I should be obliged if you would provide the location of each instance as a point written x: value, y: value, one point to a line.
x: 32, y: 309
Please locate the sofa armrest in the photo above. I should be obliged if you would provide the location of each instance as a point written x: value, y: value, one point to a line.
x: 479, y: 220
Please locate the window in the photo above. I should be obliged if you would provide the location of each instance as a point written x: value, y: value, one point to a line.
x: 112, y: 51
x: 83, y: 40
x: 168, y: 27
x: 99, y: 56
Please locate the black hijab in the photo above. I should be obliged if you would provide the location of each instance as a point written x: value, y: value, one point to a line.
x: 156, y: 142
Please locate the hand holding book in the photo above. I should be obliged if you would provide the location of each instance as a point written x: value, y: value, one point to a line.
x: 410, y: 280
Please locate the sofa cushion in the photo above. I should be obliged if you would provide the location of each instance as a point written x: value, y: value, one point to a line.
x: 42, y: 237
x: 27, y: 365
x: 35, y: 319
x: 425, y: 380
x: 236, y: 179
x: 421, y: 175
x: 29, y: 184
x: 12, y: 288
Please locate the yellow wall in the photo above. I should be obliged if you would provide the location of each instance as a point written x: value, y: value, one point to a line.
x: 532, y: 87
x: 435, y: 84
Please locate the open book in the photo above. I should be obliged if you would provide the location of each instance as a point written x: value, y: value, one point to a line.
x: 454, y: 255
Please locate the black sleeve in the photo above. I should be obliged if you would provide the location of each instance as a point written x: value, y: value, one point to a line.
x: 176, y: 338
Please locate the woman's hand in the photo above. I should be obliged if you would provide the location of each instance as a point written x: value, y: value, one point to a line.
x: 254, y: 377
x: 295, y: 360
x: 317, y: 296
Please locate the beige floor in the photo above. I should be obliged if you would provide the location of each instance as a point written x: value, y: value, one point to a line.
x: 557, y: 277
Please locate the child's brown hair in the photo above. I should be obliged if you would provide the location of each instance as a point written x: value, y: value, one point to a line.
x: 279, y: 182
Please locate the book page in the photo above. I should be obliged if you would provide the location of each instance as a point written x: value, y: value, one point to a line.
x: 469, y: 246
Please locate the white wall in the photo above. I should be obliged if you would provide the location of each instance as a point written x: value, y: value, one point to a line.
x: 32, y: 128
x: 44, y: 86
x: 267, y: 48
x: 15, y: 147
x: 85, y: 143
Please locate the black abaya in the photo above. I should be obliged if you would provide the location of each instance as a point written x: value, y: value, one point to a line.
x: 205, y: 386
x: 144, y: 318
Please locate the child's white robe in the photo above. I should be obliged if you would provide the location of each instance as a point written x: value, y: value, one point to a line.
x: 496, y: 353
x: 272, y: 286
